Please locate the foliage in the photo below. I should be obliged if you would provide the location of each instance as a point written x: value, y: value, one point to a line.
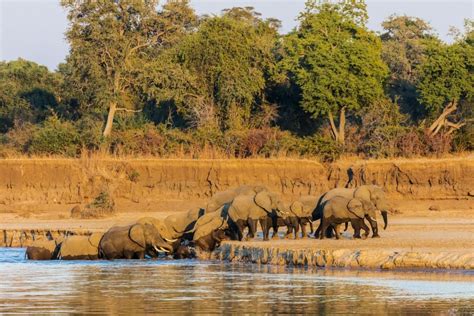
x: 229, y: 86
x: 55, y: 137
x: 28, y: 93
x: 102, y: 206
x: 335, y: 60
x: 446, y: 75
x: 403, y: 49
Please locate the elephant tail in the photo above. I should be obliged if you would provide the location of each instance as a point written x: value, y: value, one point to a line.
x: 385, y: 218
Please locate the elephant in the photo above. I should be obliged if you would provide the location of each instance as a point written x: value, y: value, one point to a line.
x: 339, y: 210
x: 165, y: 232
x: 80, y: 247
x: 211, y: 229
x: 301, y: 214
x: 221, y: 198
x: 248, y: 210
x: 182, y: 222
x: 42, y: 250
x: 369, y: 193
x: 132, y: 242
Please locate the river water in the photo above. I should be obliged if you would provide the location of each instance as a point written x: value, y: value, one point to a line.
x: 189, y: 286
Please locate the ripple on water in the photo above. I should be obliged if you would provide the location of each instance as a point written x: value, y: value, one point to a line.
x: 168, y: 286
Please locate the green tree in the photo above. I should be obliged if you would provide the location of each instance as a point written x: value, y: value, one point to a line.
x: 28, y: 93
x: 112, y: 40
x: 446, y: 79
x: 335, y: 61
x: 228, y: 61
x: 403, y: 50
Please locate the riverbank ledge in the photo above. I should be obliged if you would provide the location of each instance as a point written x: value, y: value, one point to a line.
x: 22, y: 238
x: 344, y: 258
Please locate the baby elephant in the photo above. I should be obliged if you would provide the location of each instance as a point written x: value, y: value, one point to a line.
x: 339, y: 210
x: 41, y: 250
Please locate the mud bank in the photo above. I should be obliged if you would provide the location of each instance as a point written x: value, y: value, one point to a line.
x: 345, y: 258
x: 24, y: 237
x: 63, y: 181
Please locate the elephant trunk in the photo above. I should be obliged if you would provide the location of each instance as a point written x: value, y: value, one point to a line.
x: 385, y: 218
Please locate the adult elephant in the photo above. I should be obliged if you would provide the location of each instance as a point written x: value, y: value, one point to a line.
x: 182, y: 222
x: 219, y: 199
x: 132, y: 242
x: 42, y: 250
x: 165, y: 232
x: 368, y: 193
x: 80, y: 247
x: 210, y: 230
x: 338, y: 210
x: 248, y: 210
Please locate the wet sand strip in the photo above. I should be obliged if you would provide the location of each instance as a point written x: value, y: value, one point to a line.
x: 345, y: 258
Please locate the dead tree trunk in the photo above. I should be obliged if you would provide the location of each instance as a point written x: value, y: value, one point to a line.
x: 442, y: 121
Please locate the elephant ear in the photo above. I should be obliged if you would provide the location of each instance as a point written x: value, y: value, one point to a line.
x: 264, y: 200
x: 216, y: 222
x: 355, y: 207
x: 297, y: 208
x: 137, y: 235
x: 95, y: 238
x: 364, y: 192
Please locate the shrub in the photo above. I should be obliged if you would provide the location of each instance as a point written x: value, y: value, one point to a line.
x: 324, y: 147
x: 55, y: 137
x: 102, y: 206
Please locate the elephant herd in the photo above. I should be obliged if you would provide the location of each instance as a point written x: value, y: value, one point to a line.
x: 226, y: 216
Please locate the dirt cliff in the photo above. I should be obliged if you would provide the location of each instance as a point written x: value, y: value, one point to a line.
x: 62, y: 181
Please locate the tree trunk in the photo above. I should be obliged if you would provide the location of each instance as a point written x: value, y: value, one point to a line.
x: 334, y: 132
x: 338, y: 133
x: 342, y: 125
x: 442, y: 120
x: 110, y: 119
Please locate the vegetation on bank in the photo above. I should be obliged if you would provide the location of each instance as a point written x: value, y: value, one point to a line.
x: 165, y: 82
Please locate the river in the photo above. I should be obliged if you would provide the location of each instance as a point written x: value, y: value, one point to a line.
x: 190, y: 286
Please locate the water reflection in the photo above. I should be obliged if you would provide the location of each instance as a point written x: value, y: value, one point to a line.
x: 209, y: 287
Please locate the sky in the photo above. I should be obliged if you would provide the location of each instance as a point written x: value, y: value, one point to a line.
x: 34, y: 29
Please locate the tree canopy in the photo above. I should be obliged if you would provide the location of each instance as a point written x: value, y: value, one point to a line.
x: 144, y: 77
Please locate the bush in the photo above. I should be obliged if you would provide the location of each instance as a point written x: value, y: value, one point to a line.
x: 55, y: 137
x: 324, y: 147
x: 102, y: 206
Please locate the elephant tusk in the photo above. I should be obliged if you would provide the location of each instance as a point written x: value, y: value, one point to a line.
x: 372, y: 218
x: 164, y: 250
x: 170, y: 240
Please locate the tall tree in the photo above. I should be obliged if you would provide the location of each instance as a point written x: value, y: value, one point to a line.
x: 403, y: 49
x: 446, y: 79
x: 111, y: 40
x: 335, y: 60
x: 28, y: 93
x: 229, y: 58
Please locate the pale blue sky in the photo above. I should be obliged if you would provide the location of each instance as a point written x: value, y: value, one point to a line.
x: 34, y: 29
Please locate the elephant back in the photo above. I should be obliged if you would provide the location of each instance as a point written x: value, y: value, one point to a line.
x: 208, y: 223
x: 49, y: 245
x: 74, y: 246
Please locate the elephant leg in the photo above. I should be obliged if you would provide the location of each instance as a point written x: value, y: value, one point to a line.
x: 264, y: 223
x: 373, y: 225
x: 336, y: 231
x: 311, y: 226
x: 289, y: 229
x: 275, y: 227
x: 296, y: 227
x: 356, y: 225
x: 252, y: 224
x: 365, y: 228
x: 303, y: 229
x: 324, y: 227
x: 240, y: 229
x: 317, y: 233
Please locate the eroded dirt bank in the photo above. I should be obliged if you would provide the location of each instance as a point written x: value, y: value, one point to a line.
x: 59, y: 182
